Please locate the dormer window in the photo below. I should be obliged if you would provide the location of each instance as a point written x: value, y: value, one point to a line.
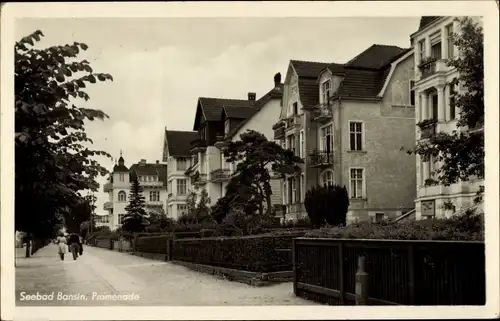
x: 226, y: 126
x: 326, y: 88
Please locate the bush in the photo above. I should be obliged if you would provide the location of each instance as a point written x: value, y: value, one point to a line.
x: 327, y: 204
x: 303, y: 222
x: 249, y: 253
x: 152, y: 244
x: 467, y: 227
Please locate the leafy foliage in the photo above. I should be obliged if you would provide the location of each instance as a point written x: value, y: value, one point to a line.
x: 135, y: 220
x: 460, y: 154
x: 52, y: 161
x: 79, y: 214
x: 467, y: 227
x: 256, y: 158
x: 327, y: 205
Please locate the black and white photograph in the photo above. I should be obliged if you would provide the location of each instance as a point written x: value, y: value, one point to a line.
x: 220, y: 155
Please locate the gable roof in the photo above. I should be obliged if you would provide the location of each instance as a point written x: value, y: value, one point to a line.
x: 149, y: 169
x: 179, y: 142
x: 275, y: 93
x: 376, y: 57
x: 212, y: 107
x: 427, y: 20
x: 308, y: 69
x: 359, y: 83
x: 238, y: 112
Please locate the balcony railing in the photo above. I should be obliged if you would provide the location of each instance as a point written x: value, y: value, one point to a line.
x: 427, y: 67
x: 108, y: 187
x: 108, y: 205
x: 323, y: 112
x: 319, y: 159
x: 428, y: 130
x: 199, y: 179
x: 292, y: 122
x: 198, y: 145
x: 220, y: 142
x: 220, y: 175
x: 279, y: 133
x: 152, y: 184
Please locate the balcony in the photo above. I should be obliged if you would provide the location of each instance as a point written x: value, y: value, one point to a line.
x: 279, y: 133
x: 220, y: 175
x: 154, y: 203
x: 198, y: 145
x: 292, y: 122
x: 427, y: 67
x: 220, y: 142
x: 108, y: 187
x: 108, y: 205
x: 321, y: 159
x: 322, y: 113
x: 428, y: 129
x: 199, y: 179
x: 151, y: 184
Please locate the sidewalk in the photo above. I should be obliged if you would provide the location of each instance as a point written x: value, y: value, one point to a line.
x: 147, y: 282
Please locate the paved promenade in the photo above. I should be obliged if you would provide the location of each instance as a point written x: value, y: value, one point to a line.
x: 100, y: 273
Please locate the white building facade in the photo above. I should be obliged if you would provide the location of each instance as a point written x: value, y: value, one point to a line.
x: 152, y: 178
x: 433, y: 45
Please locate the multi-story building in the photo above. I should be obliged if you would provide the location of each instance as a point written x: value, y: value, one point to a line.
x: 177, y: 155
x: 433, y: 45
x: 348, y: 123
x: 217, y: 120
x: 152, y: 178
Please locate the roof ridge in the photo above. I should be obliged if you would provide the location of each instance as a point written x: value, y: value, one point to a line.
x: 224, y: 98
x: 309, y: 61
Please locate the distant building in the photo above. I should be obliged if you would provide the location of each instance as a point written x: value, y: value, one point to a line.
x: 152, y: 178
x: 177, y: 155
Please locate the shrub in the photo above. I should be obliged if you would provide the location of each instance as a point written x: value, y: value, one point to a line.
x: 303, y: 222
x: 250, y: 253
x: 327, y: 204
x: 468, y: 227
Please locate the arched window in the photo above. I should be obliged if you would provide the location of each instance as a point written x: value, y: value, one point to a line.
x: 327, y: 177
x: 122, y: 196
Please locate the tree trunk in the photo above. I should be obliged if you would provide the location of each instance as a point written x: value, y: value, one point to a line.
x: 28, y: 247
x: 268, y: 202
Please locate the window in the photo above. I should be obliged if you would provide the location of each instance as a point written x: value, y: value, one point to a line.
x: 379, y: 217
x: 226, y: 126
x: 181, y: 187
x: 412, y: 93
x: 293, y: 190
x: 181, y: 209
x: 122, y: 196
x: 291, y: 143
x: 122, y: 177
x: 120, y: 218
x: 295, y: 108
x: 327, y: 178
x: 435, y: 106
x: 449, y: 41
x: 302, y: 188
x: 453, y: 113
x: 326, y: 143
x: 356, y: 135
x: 302, y: 144
x: 436, y: 45
x: 170, y: 186
x: 181, y: 164
x: 421, y: 47
x: 104, y: 219
x: 154, y: 196
x: 326, y: 87
x: 356, y: 183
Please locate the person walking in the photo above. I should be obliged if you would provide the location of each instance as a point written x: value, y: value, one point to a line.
x: 61, y: 245
x: 75, y: 245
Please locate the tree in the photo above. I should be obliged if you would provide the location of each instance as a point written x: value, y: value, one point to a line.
x: 256, y: 158
x: 135, y: 220
x: 327, y: 205
x: 79, y: 214
x: 460, y: 154
x: 52, y: 160
x: 191, y: 201
x: 158, y: 221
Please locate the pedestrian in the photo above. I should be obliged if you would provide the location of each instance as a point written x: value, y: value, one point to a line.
x: 75, y: 245
x: 61, y: 245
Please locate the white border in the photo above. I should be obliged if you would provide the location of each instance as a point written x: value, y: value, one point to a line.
x: 487, y: 9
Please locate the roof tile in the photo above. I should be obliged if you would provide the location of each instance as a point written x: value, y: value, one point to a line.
x: 179, y: 142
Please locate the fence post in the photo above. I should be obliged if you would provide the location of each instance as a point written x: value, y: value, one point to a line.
x: 361, y: 283
x: 411, y: 274
x: 295, y: 269
x: 341, y: 272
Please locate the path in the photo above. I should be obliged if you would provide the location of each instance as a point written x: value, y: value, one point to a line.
x: 100, y: 272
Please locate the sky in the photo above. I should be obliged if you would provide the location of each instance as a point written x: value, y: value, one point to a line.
x: 161, y: 66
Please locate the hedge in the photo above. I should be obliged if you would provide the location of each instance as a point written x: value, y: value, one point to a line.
x: 250, y: 253
x: 152, y: 244
x: 462, y: 228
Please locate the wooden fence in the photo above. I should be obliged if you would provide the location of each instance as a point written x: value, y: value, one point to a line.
x: 399, y: 272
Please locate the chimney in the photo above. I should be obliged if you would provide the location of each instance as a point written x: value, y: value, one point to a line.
x: 277, y: 80
x: 143, y: 162
x: 157, y: 162
x: 251, y: 96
